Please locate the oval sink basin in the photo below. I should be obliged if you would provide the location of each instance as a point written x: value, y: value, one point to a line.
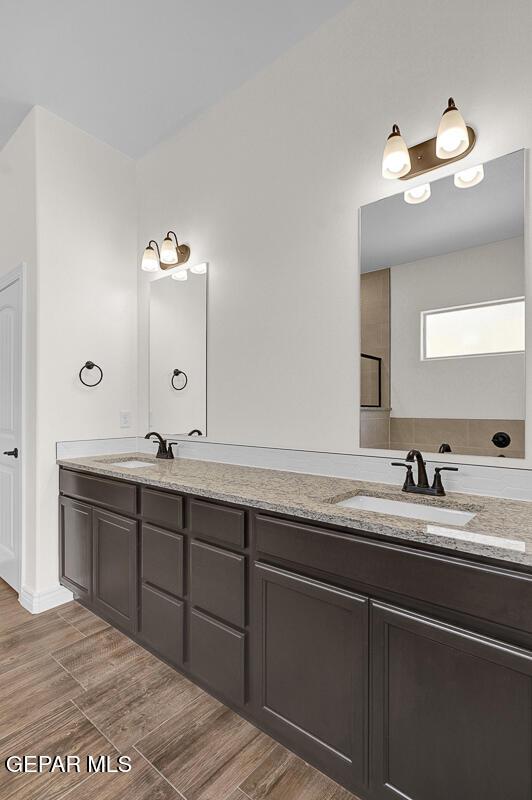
x: 399, y: 508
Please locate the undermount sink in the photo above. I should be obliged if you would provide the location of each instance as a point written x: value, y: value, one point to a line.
x: 133, y: 463
x: 399, y: 508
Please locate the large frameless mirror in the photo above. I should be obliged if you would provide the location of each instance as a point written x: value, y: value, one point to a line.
x: 443, y: 315
x: 178, y: 354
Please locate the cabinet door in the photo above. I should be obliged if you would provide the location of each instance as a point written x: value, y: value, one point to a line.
x: 75, y: 547
x: 451, y: 712
x: 312, y: 663
x: 115, y: 568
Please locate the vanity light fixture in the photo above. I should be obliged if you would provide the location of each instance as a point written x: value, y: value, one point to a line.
x: 396, y: 158
x: 173, y: 253
x: 151, y: 257
x: 454, y: 140
x: 469, y: 177
x: 417, y: 194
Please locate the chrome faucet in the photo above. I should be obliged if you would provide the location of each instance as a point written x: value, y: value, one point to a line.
x: 165, y: 448
x: 422, y: 485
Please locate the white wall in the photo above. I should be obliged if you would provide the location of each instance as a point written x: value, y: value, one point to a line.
x: 491, y: 387
x: 18, y: 240
x: 266, y: 186
x: 86, y: 305
x: 178, y: 340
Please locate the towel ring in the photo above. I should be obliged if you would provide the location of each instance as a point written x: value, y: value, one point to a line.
x: 182, y: 379
x: 90, y: 365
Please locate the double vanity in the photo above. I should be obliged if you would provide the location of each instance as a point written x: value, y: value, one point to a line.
x: 384, y: 638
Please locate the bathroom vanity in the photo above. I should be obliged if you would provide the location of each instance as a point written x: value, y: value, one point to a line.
x: 397, y: 661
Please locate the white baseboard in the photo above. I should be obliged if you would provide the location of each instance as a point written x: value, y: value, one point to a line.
x: 37, y: 602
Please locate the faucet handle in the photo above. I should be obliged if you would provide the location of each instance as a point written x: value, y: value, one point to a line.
x: 409, y: 478
x: 437, y: 485
x: 170, y: 451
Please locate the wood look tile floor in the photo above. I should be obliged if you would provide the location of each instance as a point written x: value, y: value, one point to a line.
x: 72, y: 685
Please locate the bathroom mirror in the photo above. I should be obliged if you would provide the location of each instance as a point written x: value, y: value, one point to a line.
x: 178, y: 354
x: 442, y: 291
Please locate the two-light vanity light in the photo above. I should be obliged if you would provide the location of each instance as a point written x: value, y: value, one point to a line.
x: 453, y: 141
x: 170, y: 255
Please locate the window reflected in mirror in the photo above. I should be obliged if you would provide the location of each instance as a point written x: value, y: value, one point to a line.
x: 442, y: 293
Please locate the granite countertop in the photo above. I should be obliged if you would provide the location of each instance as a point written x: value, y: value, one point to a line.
x: 501, y: 529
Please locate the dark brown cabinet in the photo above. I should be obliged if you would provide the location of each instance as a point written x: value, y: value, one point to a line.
x: 217, y: 580
x: 371, y: 660
x: 451, y: 712
x: 217, y: 657
x: 75, y: 547
x: 312, y: 662
x: 114, y: 542
x: 162, y: 611
x: 162, y: 559
x: 162, y: 624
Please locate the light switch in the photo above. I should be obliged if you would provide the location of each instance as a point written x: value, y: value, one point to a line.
x: 125, y: 419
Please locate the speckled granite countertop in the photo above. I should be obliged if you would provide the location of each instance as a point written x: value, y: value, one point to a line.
x: 313, y: 497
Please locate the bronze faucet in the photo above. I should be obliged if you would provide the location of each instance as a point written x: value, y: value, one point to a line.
x: 165, y: 448
x: 422, y: 485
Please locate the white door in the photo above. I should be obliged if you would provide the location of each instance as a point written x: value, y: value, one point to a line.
x: 10, y: 430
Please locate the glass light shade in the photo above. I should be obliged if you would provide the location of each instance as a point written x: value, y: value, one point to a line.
x: 150, y: 260
x: 168, y: 251
x: 469, y: 177
x: 199, y: 269
x: 452, y: 138
x: 417, y: 194
x: 181, y: 275
x: 396, y: 158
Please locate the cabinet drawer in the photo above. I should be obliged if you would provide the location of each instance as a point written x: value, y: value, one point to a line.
x: 489, y: 593
x: 161, y: 624
x: 113, y: 494
x: 217, y: 656
x: 218, y: 582
x: 219, y: 523
x: 163, y: 508
x: 162, y: 559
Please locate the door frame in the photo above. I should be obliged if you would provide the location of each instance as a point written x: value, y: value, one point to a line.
x: 20, y: 274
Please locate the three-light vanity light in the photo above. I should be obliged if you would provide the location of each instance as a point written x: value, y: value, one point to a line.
x: 453, y: 141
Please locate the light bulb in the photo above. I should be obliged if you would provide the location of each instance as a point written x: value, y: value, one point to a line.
x: 150, y: 260
x: 417, y: 194
x: 469, y: 177
x: 199, y: 269
x: 453, y: 138
x: 168, y: 251
x: 181, y: 275
x: 396, y: 158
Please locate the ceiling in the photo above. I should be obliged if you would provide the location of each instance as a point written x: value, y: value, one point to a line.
x: 394, y: 232
x: 131, y: 72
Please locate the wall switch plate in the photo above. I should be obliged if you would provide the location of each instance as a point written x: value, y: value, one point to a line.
x: 125, y: 419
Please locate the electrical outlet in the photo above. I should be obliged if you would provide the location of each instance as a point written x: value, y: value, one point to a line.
x: 125, y: 419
